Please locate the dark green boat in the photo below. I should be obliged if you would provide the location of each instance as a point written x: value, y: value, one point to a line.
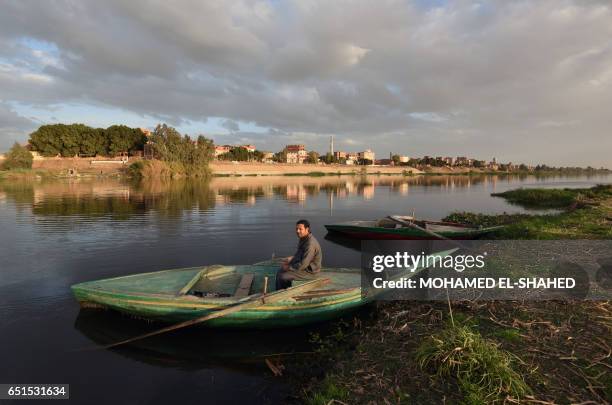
x: 186, y: 294
x: 389, y: 229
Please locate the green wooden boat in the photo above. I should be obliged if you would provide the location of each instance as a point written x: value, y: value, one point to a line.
x: 389, y: 229
x: 185, y: 294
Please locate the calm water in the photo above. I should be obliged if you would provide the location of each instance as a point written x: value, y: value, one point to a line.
x: 55, y: 234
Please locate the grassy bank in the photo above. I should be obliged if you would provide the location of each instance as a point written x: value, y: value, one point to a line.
x: 30, y: 174
x: 494, y: 352
x: 23, y: 174
x: 152, y: 169
x: 556, y: 198
x: 584, y: 214
x: 480, y: 352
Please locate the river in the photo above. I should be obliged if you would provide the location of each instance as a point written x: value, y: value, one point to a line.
x: 57, y: 233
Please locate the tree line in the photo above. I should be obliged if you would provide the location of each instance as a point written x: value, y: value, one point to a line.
x: 69, y: 140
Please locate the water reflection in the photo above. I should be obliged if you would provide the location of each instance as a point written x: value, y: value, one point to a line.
x: 199, y: 347
x: 120, y: 200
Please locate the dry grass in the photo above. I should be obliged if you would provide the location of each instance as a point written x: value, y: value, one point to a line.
x: 564, y: 350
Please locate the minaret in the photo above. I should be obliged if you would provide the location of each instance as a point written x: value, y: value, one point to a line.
x: 331, y: 145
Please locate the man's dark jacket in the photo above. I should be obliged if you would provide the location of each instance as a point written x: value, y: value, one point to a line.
x: 308, y: 256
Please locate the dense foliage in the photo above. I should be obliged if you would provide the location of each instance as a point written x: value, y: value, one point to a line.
x: 78, y: 139
x: 280, y: 157
x: 168, y: 145
x: 313, y: 157
x: 175, y: 155
x: 18, y: 157
x: 241, y: 154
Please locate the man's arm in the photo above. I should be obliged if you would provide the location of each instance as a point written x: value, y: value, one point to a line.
x: 309, y: 254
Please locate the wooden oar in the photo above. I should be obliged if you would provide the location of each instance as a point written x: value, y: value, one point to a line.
x: 415, y: 226
x: 252, y: 302
x: 431, y: 233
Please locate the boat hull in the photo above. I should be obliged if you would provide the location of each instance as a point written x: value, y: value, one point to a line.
x: 171, y: 308
x: 380, y: 233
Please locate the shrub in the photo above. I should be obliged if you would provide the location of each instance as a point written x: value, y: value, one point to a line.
x: 18, y: 157
x: 181, y: 153
x: 484, y: 372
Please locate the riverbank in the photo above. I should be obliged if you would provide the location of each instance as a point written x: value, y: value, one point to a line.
x: 220, y: 168
x: 111, y: 167
x: 479, y: 352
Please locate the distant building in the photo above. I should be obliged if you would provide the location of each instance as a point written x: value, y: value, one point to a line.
x: 461, y: 161
x: 249, y: 148
x: 340, y: 155
x: 448, y: 160
x: 222, y: 149
x: 366, y: 155
x: 268, y: 157
x: 404, y: 159
x: 296, y: 154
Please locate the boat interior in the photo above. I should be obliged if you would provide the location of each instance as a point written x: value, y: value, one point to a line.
x: 242, y: 281
x: 434, y: 226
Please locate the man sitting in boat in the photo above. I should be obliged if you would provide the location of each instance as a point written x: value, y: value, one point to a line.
x: 305, y: 263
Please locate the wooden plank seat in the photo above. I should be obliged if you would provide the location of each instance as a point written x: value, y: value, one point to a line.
x: 244, y: 287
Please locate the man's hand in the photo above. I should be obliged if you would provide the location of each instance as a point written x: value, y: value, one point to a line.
x: 285, y: 263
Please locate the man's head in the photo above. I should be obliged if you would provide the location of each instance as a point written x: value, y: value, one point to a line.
x: 302, y: 228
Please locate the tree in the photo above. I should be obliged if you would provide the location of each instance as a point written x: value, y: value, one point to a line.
x: 329, y: 158
x: 166, y: 143
x: 395, y: 159
x: 94, y: 142
x: 205, y: 150
x: 122, y: 138
x: 170, y: 146
x: 18, y: 157
x: 239, y: 154
x: 313, y: 157
x: 280, y: 157
x: 258, y: 155
x: 51, y: 140
x: 46, y: 140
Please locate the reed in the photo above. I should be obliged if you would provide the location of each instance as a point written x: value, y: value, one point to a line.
x: 484, y: 372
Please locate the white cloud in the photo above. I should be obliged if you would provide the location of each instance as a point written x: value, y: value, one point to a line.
x: 390, y: 74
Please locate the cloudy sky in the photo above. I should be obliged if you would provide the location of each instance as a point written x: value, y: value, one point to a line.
x: 524, y: 81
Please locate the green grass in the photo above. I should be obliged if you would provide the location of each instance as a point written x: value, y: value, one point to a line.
x: 509, y: 335
x: 484, y: 372
x: 554, y: 198
x: 485, y: 220
x: 588, y: 221
x: 328, y: 393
